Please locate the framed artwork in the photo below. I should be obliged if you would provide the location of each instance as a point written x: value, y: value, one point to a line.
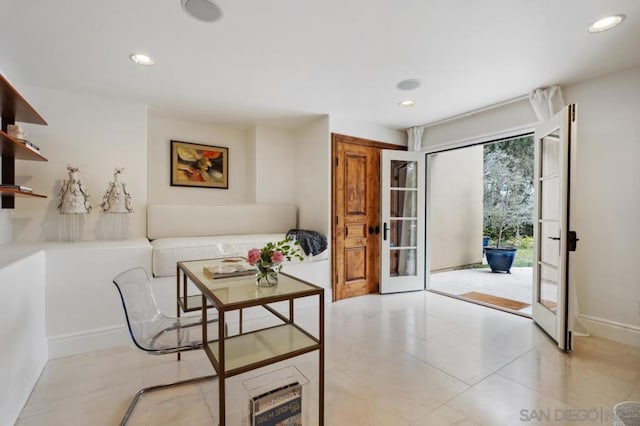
x: 203, y: 166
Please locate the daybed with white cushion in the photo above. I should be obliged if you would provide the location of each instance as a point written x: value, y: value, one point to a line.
x: 184, y: 232
x: 179, y: 232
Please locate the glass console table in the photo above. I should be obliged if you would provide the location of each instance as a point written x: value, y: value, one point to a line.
x: 245, y: 351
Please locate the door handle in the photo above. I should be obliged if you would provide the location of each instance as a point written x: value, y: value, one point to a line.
x: 377, y: 229
x: 554, y: 238
x: 572, y: 244
x: 371, y: 230
x: 385, y: 229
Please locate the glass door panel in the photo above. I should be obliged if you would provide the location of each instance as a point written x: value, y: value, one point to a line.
x: 402, y: 263
x: 402, y: 174
x: 553, y: 141
x: 402, y: 256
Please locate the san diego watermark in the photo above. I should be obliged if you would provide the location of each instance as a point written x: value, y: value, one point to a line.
x: 603, y: 415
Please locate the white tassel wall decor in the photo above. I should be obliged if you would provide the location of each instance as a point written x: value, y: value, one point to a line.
x: 116, y: 204
x: 73, y: 204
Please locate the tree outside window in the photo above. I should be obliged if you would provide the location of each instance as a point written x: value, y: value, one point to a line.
x: 508, y: 189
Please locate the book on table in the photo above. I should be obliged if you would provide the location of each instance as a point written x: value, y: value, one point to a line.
x: 230, y: 267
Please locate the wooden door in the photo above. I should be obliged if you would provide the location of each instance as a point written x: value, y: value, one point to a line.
x: 356, y: 221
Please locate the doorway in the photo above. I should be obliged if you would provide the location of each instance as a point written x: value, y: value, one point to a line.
x: 356, y: 227
x: 482, y: 205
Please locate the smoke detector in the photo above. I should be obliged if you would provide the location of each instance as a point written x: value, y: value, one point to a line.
x: 202, y: 10
x: 410, y: 84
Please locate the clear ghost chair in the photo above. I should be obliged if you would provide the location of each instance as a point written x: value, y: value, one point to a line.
x: 154, y: 332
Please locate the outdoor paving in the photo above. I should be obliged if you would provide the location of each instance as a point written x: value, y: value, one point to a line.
x: 515, y: 286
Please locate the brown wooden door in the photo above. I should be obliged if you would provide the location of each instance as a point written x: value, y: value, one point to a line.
x: 356, y: 215
x: 357, y: 208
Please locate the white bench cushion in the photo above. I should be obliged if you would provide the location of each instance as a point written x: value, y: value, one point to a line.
x: 169, y: 251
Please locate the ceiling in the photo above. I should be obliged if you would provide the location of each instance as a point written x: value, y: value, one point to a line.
x: 285, y: 61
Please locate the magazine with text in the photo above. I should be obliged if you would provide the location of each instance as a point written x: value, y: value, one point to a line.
x: 279, y: 407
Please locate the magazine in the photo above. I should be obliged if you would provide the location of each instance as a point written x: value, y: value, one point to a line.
x: 228, y: 268
x: 279, y: 407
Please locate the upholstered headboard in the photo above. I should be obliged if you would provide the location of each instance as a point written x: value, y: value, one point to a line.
x: 175, y: 220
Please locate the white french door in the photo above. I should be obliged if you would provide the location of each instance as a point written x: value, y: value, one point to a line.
x: 403, y: 221
x: 554, y: 238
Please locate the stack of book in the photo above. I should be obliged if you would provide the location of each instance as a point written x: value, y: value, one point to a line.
x: 29, y: 145
x: 16, y: 187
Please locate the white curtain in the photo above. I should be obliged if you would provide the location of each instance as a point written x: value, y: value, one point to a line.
x: 408, y: 234
x: 546, y: 101
x: 415, y: 138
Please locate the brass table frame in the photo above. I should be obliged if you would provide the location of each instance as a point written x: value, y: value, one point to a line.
x: 210, y: 300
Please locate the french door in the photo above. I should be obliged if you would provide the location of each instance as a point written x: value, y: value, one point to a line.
x: 403, y: 221
x: 554, y: 238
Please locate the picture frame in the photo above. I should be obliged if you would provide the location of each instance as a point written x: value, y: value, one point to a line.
x: 199, y: 165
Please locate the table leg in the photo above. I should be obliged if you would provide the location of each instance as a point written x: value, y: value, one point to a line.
x: 321, y: 367
x: 205, y: 331
x: 178, y: 300
x: 221, y: 373
x: 291, y: 310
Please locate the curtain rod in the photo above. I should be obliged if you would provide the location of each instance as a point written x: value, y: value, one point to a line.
x: 475, y: 111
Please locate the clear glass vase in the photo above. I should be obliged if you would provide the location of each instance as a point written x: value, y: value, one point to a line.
x: 267, y: 275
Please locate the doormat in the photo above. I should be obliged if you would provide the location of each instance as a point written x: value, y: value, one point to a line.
x: 514, y: 305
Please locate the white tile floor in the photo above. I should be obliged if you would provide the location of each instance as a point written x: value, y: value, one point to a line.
x: 406, y: 359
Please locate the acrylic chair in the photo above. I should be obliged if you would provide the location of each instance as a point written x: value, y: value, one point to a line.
x: 154, y: 332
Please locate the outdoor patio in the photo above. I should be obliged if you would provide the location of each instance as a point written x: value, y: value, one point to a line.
x: 516, y: 286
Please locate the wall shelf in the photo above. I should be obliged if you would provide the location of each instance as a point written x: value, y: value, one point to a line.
x: 7, y: 192
x: 13, y: 107
x: 11, y: 147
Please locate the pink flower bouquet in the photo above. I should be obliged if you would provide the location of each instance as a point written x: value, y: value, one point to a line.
x: 269, y: 260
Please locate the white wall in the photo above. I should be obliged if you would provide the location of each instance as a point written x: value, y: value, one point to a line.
x: 250, y: 174
x: 161, y: 130
x: 6, y: 231
x: 83, y: 309
x: 274, y: 166
x: 361, y: 129
x: 312, y: 168
x: 455, y: 205
x: 608, y: 200
x: 507, y: 120
x: 93, y: 133
x: 23, y: 352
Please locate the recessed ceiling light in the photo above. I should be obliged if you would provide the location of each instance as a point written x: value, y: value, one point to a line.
x: 202, y: 10
x: 141, y: 59
x: 607, y: 23
x: 409, y: 84
x: 407, y: 103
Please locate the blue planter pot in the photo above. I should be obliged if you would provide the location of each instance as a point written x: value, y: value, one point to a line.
x: 485, y: 241
x: 500, y: 259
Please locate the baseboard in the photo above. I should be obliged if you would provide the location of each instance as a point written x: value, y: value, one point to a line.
x: 103, y: 338
x: 611, y: 330
x: 86, y: 341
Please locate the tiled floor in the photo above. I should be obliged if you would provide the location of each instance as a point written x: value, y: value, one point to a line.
x: 406, y: 359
